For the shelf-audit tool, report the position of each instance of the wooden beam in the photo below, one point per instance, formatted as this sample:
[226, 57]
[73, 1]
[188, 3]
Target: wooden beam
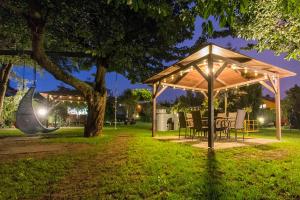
[201, 72]
[228, 60]
[220, 70]
[221, 81]
[204, 94]
[273, 83]
[267, 86]
[252, 81]
[181, 67]
[211, 120]
[216, 93]
[180, 78]
[198, 84]
[278, 109]
[161, 90]
[183, 87]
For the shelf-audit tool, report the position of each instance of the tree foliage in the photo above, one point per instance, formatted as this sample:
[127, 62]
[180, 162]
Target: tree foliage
[10, 107]
[291, 106]
[274, 24]
[247, 97]
[184, 103]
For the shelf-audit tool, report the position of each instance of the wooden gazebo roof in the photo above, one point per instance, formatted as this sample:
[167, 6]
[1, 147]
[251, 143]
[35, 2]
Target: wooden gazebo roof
[235, 69]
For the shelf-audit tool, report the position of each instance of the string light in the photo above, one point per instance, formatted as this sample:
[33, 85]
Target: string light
[265, 75]
[233, 67]
[181, 73]
[255, 73]
[245, 70]
[172, 77]
[165, 80]
[191, 68]
[206, 70]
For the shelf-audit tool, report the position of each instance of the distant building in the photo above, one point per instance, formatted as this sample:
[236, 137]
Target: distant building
[76, 116]
[268, 103]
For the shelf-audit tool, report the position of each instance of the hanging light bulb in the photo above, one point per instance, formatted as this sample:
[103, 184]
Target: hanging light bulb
[255, 73]
[191, 68]
[165, 80]
[181, 73]
[172, 77]
[265, 75]
[245, 70]
[233, 66]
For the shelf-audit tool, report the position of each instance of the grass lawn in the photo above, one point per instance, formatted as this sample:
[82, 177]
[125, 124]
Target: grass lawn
[128, 164]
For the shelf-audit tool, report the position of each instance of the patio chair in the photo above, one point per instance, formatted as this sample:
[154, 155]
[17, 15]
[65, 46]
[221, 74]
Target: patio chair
[222, 125]
[221, 115]
[182, 123]
[239, 123]
[199, 126]
[189, 122]
[232, 118]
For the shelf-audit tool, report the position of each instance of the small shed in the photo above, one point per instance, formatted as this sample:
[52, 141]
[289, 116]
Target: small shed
[213, 69]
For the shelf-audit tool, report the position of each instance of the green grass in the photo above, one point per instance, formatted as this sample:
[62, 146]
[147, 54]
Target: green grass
[147, 168]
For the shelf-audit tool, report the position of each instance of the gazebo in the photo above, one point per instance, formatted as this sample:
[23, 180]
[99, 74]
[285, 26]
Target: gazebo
[213, 69]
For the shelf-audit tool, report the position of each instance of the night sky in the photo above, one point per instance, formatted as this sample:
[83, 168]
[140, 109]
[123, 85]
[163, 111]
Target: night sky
[46, 81]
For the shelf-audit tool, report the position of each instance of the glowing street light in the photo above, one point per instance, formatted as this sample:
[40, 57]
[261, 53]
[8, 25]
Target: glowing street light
[261, 120]
[42, 112]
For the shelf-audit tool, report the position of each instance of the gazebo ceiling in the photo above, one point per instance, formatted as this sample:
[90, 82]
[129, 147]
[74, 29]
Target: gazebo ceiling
[233, 69]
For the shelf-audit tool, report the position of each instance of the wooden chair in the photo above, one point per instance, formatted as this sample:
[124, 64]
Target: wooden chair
[222, 125]
[189, 122]
[232, 118]
[199, 126]
[239, 123]
[182, 123]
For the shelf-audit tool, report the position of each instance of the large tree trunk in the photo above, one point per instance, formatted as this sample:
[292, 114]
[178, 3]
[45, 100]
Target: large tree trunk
[95, 118]
[95, 95]
[4, 77]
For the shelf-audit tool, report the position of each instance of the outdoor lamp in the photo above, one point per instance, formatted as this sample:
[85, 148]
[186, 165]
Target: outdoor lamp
[261, 120]
[42, 112]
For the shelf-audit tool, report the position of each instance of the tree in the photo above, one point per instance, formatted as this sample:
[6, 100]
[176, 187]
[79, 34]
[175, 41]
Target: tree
[7, 73]
[129, 37]
[291, 106]
[130, 99]
[247, 97]
[10, 107]
[274, 24]
[185, 102]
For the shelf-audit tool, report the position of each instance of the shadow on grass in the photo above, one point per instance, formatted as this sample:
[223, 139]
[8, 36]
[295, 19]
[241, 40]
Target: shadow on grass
[265, 147]
[213, 181]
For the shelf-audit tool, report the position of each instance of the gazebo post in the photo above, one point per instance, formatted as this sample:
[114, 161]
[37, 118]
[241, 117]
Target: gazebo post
[225, 103]
[155, 93]
[210, 94]
[278, 108]
[154, 109]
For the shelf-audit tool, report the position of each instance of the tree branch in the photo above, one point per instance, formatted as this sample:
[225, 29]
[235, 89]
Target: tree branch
[48, 53]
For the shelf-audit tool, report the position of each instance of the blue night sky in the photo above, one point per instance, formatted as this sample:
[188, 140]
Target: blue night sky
[46, 81]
